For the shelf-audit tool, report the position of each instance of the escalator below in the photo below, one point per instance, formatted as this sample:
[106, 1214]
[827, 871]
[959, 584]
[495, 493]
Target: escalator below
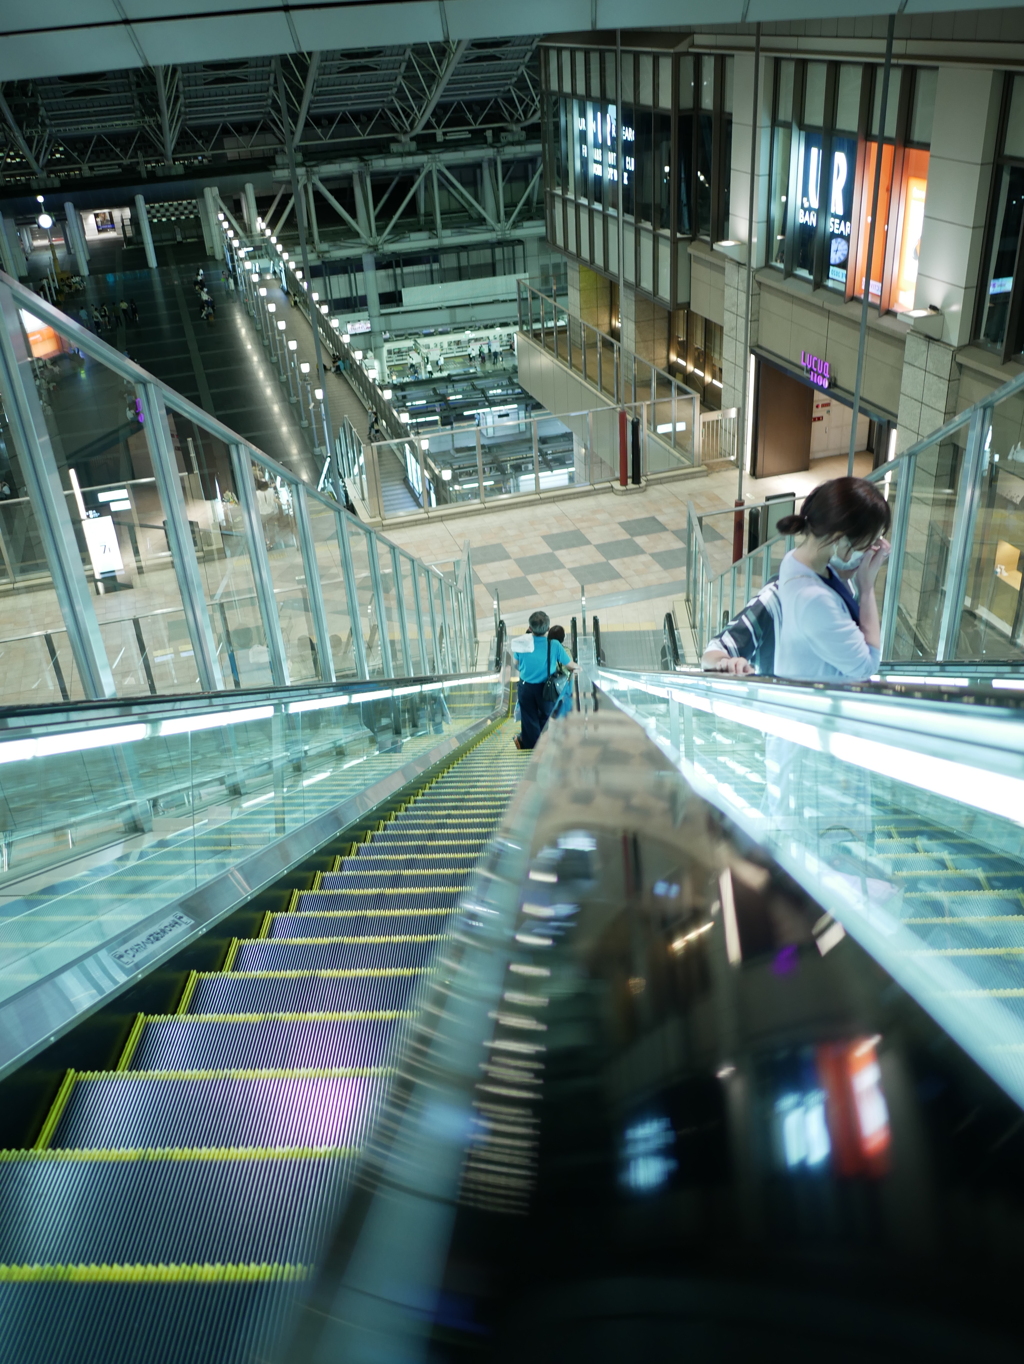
[172, 1206]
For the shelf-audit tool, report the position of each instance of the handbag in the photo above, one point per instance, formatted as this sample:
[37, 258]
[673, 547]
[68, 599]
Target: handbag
[551, 691]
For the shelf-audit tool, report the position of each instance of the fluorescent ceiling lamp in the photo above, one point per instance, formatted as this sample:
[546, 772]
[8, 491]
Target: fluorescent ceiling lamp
[121, 506]
[667, 426]
[919, 681]
[320, 776]
[215, 720]
[1008, 683]
[117, 495]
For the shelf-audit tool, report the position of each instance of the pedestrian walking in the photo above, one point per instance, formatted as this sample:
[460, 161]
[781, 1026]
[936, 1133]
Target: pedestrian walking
[538, 658]
[123, 305]
[133, 309]
[108, 321]
[97, 320]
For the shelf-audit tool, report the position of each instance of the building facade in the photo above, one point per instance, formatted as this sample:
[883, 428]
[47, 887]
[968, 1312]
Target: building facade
[649, 152]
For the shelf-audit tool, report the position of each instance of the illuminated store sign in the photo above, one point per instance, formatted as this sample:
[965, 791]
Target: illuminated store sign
[839, 222]
[598, 142]
[816, 369]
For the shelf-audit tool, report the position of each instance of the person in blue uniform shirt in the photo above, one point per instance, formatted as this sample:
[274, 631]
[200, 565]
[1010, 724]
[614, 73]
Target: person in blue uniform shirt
[537, 658]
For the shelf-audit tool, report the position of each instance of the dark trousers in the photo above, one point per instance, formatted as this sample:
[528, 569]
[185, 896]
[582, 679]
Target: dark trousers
[532, 711]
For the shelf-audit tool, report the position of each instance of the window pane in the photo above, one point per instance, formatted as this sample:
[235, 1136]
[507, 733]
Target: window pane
[628, 158]
[1015, 124]
[924, 106]
[726, 170]
[892, 104]
[1003, 254]
[784, 95]
[809, 195]
[707, 83]
[704, 133]
[727, 91]
[848, 98]
[839, 226]
[864, 227]
[782, 139]
[814, 94]
[663, 168]
[685, 224]
[913, 189]
[686, 83]
[645, 166]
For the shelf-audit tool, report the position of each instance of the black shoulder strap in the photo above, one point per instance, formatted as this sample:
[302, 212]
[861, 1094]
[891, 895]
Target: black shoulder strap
[547, 663]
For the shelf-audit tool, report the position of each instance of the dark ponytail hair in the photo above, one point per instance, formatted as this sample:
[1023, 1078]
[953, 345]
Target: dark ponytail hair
[842, 506]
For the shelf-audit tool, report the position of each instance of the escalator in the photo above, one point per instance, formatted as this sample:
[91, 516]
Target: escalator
[172, 1205]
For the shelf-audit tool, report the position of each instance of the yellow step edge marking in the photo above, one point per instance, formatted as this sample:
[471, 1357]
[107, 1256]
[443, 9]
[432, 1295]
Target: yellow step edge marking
[360, 913]
[386, 890]
[190, 989]
[961, 919]
[232, 953]
[124, 1155]
[293, 899]
[380, 937]
[326, 973]
[252, 1273]
[264, 928]
[125, 1059]
[282, 1016]
[267, 1073]
[952, 951]
[56, 1111]
[316, 881]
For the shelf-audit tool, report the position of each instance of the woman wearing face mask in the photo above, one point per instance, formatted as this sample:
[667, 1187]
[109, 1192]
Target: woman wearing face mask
[827, 634]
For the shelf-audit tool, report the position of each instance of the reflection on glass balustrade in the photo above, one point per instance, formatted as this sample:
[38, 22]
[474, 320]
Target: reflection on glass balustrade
[195, 561]
[103, 824]
[904, 818]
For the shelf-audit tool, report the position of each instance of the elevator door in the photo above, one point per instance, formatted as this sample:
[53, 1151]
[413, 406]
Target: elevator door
[784, 410]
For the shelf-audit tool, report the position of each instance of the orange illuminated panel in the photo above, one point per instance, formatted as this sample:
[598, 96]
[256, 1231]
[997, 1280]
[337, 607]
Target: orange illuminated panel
[864, 226]
[857, 1114]
[43, 341]
[913, 189]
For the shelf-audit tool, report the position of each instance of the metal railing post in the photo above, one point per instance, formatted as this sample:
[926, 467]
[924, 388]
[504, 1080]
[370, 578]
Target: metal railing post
[372, 470]
[242, 467]
[421, 635]
[382, 616]
[314, 591]
[894, 571]
[42, 479]
[479, 466]
[403, 624]
[962, 538]
[179, 538]
[535, 443]
[352, 596]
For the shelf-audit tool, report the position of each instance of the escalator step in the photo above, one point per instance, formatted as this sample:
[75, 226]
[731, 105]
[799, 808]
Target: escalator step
[368, 860]
[395, 898]
[126, 1109]
[270, 955]
[332, 923]
[144, 1207]
[394, 880]
[238, 992]
[199, 1042]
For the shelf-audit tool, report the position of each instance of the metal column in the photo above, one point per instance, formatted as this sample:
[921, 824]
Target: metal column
[39, 467]
[313, 591]
[179, 537]
[147, 235]
[240, 463]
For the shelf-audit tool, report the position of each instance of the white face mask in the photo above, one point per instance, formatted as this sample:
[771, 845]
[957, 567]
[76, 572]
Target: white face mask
[840, 565]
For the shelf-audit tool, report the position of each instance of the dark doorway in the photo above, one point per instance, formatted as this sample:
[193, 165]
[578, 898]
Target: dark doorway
[782, 442]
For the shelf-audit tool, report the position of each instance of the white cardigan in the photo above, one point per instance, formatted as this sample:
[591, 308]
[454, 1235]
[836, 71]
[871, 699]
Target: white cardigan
[819, 640]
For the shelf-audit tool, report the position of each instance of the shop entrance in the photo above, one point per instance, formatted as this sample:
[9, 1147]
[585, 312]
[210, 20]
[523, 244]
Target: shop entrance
[782, 434]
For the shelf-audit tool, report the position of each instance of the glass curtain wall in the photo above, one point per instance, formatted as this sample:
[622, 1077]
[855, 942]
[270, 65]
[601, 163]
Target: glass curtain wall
[1000, 321]
[825, 145]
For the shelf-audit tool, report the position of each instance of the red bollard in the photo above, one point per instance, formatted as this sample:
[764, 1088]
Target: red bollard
[623, 448]
[737, 531]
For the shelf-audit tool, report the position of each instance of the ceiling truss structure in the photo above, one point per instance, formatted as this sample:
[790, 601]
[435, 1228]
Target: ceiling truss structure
[141, 121]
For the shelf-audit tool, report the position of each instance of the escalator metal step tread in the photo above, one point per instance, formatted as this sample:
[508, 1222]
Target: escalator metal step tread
[176, 1322]
[156, 1208]
[285, 992]
[199, 1042]
[270, 955]
[331, 923]
[177, 1203]
[133, 1108]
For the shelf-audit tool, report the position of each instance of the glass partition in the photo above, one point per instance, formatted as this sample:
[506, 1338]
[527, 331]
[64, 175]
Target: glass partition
[135, 564]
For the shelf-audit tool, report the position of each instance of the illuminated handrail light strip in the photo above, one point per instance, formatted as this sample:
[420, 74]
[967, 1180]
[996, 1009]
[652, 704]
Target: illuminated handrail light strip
[995, 792]
[215, 720]
[19, 750]
[1008, 683]
[928, 681]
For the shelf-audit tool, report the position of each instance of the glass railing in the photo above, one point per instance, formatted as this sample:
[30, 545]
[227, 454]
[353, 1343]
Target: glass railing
[131, 826]
[668, 411]
[145, 548]
[952, 587]
[902, 814]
